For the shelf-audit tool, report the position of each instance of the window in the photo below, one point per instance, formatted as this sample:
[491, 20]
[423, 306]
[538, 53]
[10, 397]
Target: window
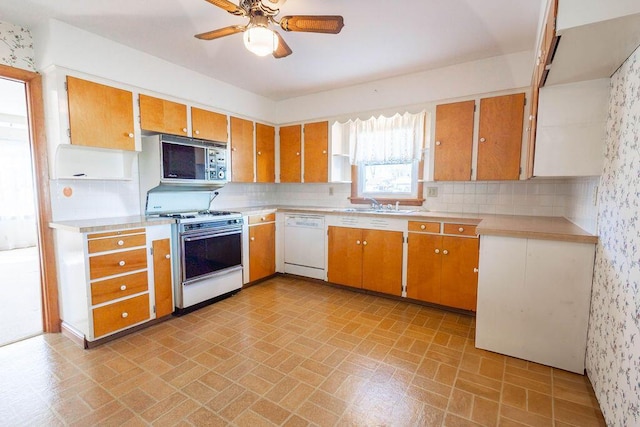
[386, 154]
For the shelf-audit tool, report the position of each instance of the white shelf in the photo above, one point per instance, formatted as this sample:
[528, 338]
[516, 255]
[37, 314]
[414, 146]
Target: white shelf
[90, 163]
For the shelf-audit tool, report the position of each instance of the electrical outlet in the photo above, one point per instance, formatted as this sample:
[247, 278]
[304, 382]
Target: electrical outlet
[595, 196]
[432, 191]
[331, 191]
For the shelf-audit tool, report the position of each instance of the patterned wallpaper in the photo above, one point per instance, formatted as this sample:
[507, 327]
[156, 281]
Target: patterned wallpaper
[16, 47]
[613, 348]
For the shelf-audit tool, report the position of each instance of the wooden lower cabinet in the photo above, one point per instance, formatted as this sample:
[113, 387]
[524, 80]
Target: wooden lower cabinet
[443, 270]
[262, 246]
[162, 283]
[366, 259]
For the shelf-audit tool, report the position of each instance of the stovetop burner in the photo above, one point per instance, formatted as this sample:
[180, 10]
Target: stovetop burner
[179, 216]
[216, 213]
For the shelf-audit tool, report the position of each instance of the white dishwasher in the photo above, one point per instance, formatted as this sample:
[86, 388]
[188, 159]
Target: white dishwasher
[304, 245]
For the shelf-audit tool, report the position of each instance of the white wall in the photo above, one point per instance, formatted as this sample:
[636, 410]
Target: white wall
[495, 74]
[62, 45]
[16, 46]
[573, 13]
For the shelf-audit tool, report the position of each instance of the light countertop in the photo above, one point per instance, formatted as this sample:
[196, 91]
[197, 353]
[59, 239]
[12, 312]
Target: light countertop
[534, 227]
[108, 224]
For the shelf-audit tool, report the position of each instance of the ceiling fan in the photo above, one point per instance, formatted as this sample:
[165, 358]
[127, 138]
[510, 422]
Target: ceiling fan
[258, 37]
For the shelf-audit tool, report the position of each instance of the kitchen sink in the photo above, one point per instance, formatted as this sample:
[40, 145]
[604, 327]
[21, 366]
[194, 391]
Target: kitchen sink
[372, 210]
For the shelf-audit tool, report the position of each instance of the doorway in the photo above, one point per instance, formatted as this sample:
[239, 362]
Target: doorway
[20, 283]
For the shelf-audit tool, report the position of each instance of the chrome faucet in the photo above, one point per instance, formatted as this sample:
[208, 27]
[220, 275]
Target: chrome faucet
[374, 203]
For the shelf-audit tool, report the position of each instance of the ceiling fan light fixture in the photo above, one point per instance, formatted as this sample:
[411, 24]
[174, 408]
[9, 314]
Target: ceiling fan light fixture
[260, 40]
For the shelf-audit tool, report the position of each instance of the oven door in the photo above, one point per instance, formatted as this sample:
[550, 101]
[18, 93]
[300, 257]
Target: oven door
[210, 253]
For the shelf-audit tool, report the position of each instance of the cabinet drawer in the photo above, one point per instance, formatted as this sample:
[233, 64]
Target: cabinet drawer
[425, 227]
[115, 233]
[119, 315]
[117, 263]
[460, 229]
[257, 219]
[110, 289]
[113, 243]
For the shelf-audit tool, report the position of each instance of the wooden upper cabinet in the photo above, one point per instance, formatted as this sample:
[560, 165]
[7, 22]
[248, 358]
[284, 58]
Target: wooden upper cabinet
[500, 137]
[454, 141]
[160, 115]
[316, 147]
[290, 148]
[99, 115]
[241, 150]
[265, 153]
[208, 125]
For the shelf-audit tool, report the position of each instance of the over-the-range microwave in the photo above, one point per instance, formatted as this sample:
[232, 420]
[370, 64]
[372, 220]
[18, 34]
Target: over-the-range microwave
[183, 160]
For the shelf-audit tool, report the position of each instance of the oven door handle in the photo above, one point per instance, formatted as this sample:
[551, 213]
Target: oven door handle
[209, 235]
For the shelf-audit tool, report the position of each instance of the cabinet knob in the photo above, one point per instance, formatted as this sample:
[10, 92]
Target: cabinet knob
[197, 132]
[422, 227]
[125, 315]
[234, 149]
[259, 153]
[482, 140]
[324, 151]
[364, 243]
[168, 256]
[121, 263]
[445, 252]
[437, 251]
[130, 134]
[357, 242]
[438, 142]
[475, 270]
[252, 239]
[262, 218]
[123, 287]
[461, 229]
[120, 242]
[184, 130]
[297, 153]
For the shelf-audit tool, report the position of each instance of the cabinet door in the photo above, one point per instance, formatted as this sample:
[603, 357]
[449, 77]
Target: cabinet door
[162, 277]
[208, 125]
[99, 115]
[454, 141]
[316, 146]
[265, 153]
[500, 137]
[459, 284]
[262, 251]
[382, 261]
[241, 150]
[160, 115]
[290, 163]
[345, 256]
[424, 259]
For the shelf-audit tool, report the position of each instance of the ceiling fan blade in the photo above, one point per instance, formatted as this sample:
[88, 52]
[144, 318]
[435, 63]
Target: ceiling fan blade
[220, 32]
[228, 6]
[329, 24]
[283, 48]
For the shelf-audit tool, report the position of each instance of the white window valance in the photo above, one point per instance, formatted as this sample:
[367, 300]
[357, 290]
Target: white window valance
[384, 140]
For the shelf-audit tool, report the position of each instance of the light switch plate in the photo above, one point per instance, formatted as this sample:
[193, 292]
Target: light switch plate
[432, 191]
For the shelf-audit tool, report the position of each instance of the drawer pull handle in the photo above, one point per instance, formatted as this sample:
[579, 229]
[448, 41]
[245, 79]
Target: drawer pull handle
[475, 270]
[262, 218]
[123, 287]
[120, 242]
[445, 252]
[168, 256]
[422, 227]
[125, 315]
[121, 263]
[461, 229]
[437, 251]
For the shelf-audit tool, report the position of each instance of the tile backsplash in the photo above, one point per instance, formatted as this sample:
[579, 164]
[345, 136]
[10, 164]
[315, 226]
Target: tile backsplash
[572, 198]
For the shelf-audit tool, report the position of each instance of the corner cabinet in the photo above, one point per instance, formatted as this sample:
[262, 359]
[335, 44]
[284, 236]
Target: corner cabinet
[115, 280]
[442, 264]
[100, 116]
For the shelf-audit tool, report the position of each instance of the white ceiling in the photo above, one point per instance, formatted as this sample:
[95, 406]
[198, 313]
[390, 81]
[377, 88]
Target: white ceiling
[380, 39]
